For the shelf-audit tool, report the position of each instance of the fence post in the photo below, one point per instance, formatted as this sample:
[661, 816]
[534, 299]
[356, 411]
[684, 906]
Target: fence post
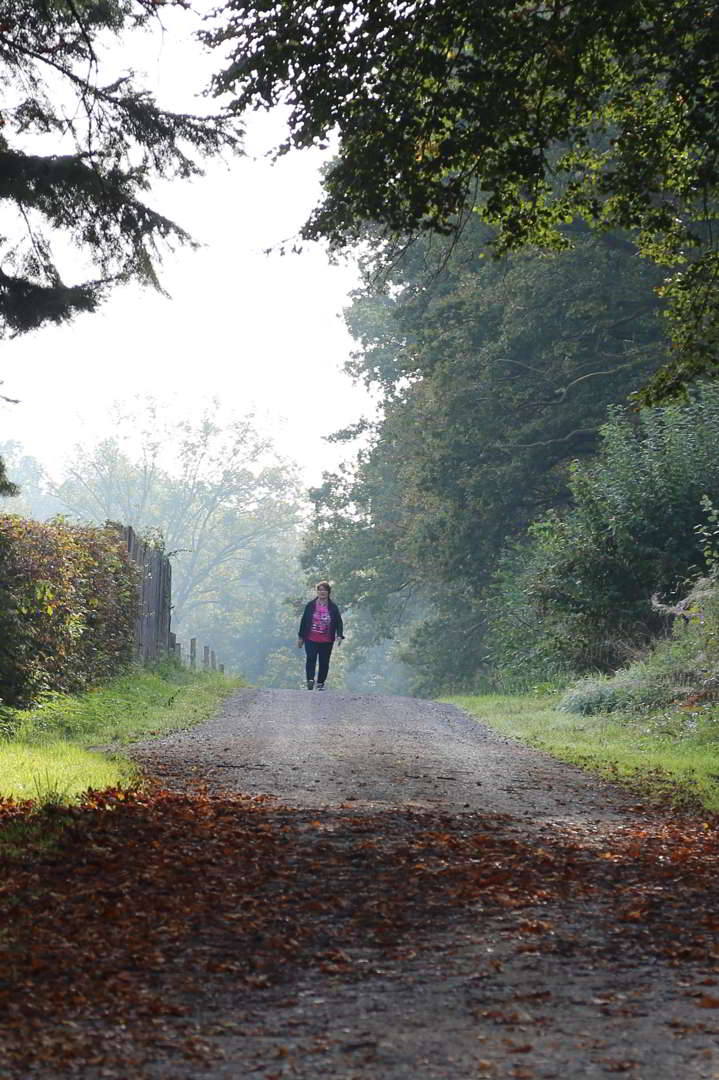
[193, 653]
[206, 657]
[213, 665]
[222, 669]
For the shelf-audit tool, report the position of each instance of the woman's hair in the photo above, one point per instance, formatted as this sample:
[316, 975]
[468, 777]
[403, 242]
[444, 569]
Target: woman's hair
[326, 585]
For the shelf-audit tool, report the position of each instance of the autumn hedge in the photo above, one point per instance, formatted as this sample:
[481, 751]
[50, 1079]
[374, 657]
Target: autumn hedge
[68, 597]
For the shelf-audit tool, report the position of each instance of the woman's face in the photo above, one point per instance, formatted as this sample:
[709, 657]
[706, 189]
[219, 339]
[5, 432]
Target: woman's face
[323, 593]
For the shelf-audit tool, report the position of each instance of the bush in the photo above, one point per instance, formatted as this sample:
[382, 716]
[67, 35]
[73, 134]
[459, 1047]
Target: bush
[68, 600]
[578, 596]
[521, 648]
[681, 669]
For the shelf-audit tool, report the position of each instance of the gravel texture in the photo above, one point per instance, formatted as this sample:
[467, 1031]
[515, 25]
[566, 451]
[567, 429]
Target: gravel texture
[463, 999]
[324, 749]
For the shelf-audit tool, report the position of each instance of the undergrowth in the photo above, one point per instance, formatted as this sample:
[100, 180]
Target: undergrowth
[679, 670]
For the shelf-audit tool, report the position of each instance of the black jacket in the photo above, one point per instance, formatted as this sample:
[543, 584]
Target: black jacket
[336, 629]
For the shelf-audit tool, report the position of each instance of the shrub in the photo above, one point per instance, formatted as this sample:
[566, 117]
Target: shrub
[578, 598]
[68, 599]
[521, 648]
[683, 668]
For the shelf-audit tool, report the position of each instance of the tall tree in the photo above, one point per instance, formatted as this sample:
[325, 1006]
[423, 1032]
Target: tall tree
[538, 114]
[493, 378]
[81, 141]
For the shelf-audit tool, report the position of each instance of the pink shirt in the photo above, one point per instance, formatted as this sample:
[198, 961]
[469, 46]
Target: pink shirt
[320, 627]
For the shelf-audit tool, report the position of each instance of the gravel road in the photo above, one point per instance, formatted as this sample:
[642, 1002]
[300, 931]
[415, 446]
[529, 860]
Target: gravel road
[322, 749]
[466, 1000]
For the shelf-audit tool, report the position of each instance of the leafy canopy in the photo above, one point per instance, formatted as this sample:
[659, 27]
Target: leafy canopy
[493, 376]
[544, 113]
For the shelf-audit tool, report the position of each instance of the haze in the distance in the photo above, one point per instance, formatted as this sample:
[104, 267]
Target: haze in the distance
[261, 332]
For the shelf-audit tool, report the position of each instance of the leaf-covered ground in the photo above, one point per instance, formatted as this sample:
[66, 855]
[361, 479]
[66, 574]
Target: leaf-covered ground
[128, 923]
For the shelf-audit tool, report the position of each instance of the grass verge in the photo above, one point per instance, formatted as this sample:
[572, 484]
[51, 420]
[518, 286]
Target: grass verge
[47, 755]
[669, 754]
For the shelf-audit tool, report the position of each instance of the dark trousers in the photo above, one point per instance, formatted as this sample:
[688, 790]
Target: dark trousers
[315, 650]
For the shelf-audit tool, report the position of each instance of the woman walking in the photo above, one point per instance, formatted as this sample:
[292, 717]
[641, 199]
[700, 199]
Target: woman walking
[320, 626]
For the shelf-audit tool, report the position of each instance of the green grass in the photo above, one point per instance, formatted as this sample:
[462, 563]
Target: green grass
[51, 754]
[673, 752]
[57, 771]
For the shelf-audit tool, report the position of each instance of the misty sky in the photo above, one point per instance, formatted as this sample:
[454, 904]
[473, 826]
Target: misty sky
[262, 332]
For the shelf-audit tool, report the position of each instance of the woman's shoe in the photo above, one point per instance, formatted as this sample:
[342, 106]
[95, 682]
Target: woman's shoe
[320, 686]
[311, 684]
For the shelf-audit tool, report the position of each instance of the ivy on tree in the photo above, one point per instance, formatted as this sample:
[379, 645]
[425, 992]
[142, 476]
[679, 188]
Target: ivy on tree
[543, 113]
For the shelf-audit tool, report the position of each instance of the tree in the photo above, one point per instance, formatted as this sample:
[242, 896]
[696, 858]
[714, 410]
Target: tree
[501, 375]
[7, 487]
[546, 117]
[493, 378]
[225, 508]
[80, 145]
[31, 497]
[79, 148]
[252, 615]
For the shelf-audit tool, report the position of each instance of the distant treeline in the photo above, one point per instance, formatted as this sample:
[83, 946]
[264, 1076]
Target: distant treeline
[225, 509]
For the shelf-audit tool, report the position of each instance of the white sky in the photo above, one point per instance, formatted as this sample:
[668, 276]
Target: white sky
[262, 332]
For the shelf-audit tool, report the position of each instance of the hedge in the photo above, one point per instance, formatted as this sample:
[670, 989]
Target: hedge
[68, 600]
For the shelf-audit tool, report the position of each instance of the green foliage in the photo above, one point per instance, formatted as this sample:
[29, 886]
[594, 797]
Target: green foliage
[606, 694]
[708, 535]
[517, 367]
[547, 116]
[68, 597]
[493, 379]
[519, 648]
[588, 575]
[680, 669]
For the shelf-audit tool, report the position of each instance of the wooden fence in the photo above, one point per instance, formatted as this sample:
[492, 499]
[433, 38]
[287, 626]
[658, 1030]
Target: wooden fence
[153, 637]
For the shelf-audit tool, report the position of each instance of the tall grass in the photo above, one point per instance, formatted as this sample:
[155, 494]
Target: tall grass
[51, 752]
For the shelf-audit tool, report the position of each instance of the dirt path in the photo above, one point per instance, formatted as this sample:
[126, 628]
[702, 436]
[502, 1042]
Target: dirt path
[534, 973]
[326, 749]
